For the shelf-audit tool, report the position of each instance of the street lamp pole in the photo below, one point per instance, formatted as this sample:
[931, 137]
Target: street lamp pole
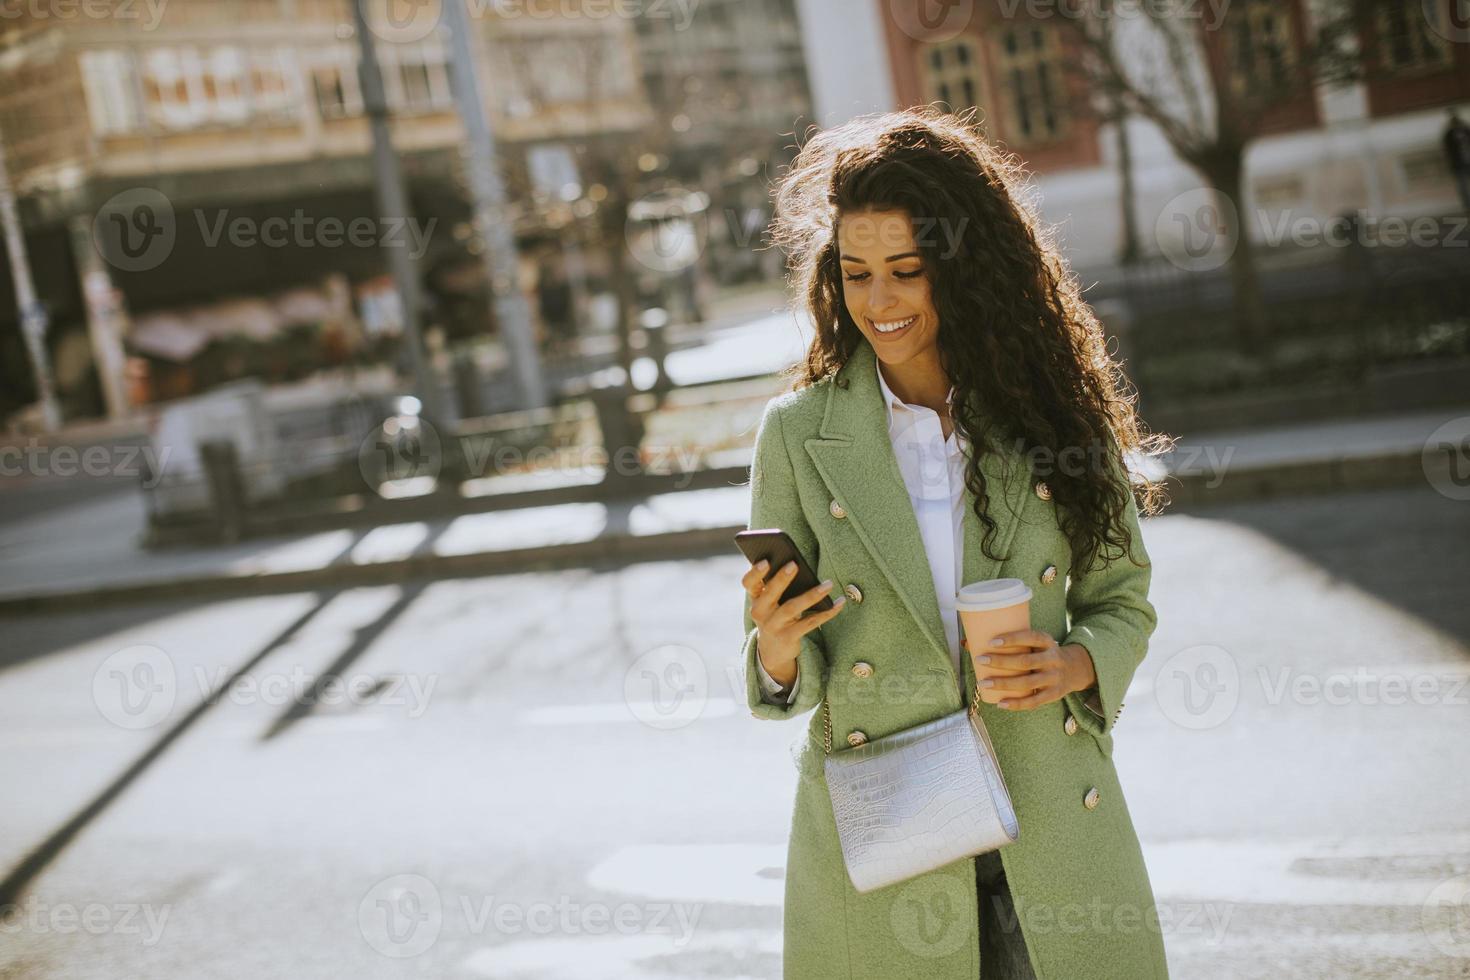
[33, 317]
[393, 206]
[512, 312]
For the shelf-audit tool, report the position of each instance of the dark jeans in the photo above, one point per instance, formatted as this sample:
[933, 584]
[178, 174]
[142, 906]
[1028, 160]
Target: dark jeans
[1002, 947]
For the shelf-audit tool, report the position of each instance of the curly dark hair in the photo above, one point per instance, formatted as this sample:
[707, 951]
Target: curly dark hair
[1027, 357]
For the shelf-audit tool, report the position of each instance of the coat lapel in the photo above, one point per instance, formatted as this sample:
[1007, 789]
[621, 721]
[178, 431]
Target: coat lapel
[856, 460]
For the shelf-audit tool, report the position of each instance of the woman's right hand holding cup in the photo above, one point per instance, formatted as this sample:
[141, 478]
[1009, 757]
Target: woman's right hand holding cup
[781, 625]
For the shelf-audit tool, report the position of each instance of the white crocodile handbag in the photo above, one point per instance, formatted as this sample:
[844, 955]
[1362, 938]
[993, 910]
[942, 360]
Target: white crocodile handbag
[918, 799]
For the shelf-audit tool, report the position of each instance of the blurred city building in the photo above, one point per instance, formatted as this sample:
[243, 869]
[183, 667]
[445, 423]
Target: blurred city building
[729, 87]
[1373, 143]
[240, 123]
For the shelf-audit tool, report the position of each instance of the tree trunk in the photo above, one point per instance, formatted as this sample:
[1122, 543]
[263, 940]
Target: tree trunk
[1130, 252]
[1248, 308]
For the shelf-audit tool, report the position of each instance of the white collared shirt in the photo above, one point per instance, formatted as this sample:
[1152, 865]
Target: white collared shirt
[933, 470]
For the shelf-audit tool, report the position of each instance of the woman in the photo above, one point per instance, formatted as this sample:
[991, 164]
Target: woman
[945, 320]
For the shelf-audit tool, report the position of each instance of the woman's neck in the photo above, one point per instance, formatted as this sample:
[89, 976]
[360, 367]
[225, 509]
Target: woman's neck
[919, 383]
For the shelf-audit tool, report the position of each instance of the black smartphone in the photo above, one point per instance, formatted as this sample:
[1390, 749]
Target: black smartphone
[775, 546]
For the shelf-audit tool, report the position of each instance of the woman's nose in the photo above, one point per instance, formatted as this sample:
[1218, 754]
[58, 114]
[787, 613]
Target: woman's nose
[880, 297]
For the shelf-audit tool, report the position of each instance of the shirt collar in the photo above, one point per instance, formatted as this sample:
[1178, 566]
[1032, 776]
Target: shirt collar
[890, 400]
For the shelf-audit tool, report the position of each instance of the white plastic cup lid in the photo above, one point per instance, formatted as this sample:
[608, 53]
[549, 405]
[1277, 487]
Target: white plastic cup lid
[994, 594]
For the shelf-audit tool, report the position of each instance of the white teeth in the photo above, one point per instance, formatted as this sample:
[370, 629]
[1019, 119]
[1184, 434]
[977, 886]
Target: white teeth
[895, 325]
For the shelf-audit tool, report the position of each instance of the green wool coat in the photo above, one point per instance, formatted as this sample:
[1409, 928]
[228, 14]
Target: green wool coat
[1077, 875]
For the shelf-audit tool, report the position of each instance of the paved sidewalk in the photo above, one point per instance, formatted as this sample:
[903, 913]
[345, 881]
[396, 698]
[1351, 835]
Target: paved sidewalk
[88, 553]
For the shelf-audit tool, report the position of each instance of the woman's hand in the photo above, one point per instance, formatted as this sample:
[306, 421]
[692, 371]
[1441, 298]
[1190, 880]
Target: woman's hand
[781, 626]
[1052, 671]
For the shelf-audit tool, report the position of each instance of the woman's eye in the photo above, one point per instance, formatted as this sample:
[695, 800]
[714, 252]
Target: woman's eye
[857, 278]
[909, 275]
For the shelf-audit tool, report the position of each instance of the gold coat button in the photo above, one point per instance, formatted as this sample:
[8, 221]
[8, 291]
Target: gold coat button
[836, 510]
[1070, 725]
[861, 669]
[1042, 490]
[1049, 574]
[856, 739]
[853, 592]
[1090, 800]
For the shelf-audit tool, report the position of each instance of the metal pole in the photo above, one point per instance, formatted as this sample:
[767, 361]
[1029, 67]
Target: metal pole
[34, 320]
[512, 312]
[393, 206]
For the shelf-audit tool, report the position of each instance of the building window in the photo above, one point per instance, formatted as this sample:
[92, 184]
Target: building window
[1424, 170]
[951, 73]
[1260, 51]
[172, 87]
[1032, 75]
[422, 77]
[1407, 41]
[273, 85]
[223, 82]
[185, 88]
[334, 79]
[111, 91]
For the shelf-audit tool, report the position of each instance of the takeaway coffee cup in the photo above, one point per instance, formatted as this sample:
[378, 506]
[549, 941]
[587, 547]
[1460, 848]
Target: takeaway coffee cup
[988, 609]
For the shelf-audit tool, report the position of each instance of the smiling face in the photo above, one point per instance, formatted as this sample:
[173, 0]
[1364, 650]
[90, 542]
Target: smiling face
[884, 286]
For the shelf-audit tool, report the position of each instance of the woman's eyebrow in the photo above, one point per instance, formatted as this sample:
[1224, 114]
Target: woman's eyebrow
[891, 258]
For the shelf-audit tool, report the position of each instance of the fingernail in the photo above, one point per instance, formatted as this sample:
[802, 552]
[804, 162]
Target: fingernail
[763, 564]
[827, 584]
[997, 642]
[987, 682]
[1002, 704]
[982, 659]
[790, 566]
[840, 600]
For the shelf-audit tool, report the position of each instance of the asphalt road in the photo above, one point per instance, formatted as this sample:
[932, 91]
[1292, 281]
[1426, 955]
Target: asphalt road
[555, 776]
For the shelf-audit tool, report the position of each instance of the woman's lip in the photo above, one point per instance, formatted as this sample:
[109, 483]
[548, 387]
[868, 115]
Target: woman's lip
[895, 333]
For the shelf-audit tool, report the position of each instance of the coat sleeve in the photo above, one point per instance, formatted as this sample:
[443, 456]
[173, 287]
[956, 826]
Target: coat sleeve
[774, 503]
[1111, 617]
